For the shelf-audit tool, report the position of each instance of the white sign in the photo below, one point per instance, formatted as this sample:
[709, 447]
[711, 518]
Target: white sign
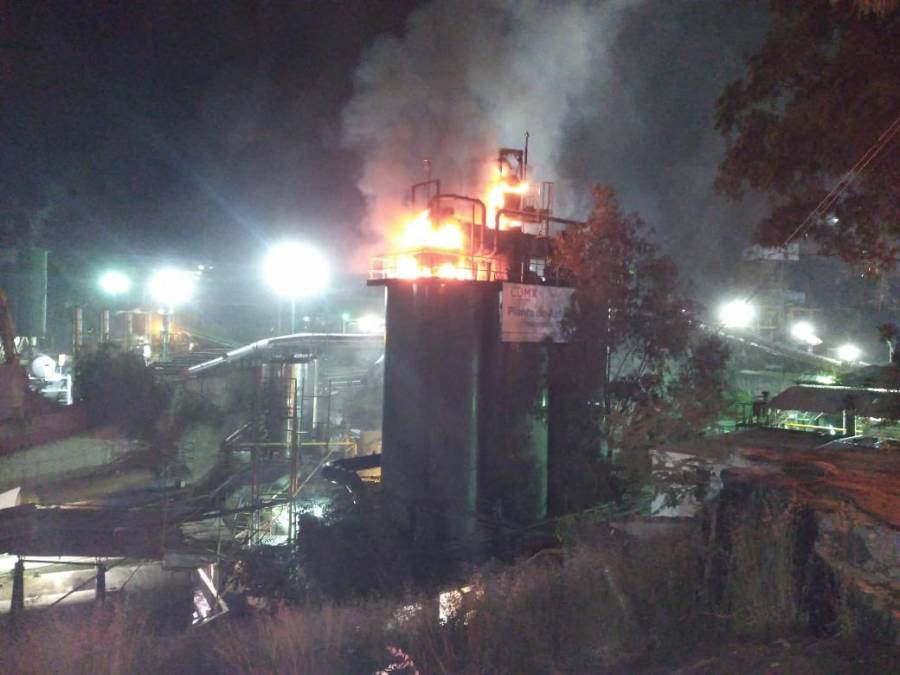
[532, 313]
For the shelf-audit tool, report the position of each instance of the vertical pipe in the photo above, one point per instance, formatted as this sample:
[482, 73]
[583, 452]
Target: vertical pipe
[104, 326]
[849, 423]
[77, 329]
[164, 334]
[17, 603]
[129, 330]
[315, 398]
[100, 592]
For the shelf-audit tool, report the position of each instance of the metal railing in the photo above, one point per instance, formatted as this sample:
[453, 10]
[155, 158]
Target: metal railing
[468, 267]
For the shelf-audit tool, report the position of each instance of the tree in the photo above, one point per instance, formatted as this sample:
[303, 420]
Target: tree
[117, 388]
[819, 94]
[637, 371]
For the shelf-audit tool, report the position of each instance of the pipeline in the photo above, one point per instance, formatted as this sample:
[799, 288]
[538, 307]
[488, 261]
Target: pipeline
[346, 471]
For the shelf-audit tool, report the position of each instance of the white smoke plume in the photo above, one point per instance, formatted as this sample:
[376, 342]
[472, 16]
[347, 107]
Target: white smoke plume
[467, 77]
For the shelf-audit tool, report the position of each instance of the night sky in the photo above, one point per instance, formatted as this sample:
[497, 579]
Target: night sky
[204, 130]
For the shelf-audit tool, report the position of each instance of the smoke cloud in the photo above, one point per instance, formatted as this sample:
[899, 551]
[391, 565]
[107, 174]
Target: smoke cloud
[464, 79]
[613, 92]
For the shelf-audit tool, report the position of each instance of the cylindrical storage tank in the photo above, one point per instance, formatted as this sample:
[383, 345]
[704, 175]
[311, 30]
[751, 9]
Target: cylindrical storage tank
[513, 463]
[33, 293]
[23, 275]
[434, 341]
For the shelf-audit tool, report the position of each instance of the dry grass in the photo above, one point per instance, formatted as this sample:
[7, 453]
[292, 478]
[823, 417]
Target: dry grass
[590, 609]
[100, 641]
[579, 612]
[761, 592]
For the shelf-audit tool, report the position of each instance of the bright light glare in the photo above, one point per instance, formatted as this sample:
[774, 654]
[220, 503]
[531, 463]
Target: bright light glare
[737, 314]
[318, 511]
[114, 283]
[370, 324]
[849, 353]
[803, 331]
[172, 287]
[295, 270]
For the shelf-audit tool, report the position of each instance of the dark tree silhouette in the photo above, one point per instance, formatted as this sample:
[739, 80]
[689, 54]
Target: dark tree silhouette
[638, 369]
[819, 94]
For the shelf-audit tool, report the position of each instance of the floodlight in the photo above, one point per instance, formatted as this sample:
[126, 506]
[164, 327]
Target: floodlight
[296, 270]
[172, 287]
[737, 314]
[803, 331]
[370, 324]
[114, 283]
[849, 353]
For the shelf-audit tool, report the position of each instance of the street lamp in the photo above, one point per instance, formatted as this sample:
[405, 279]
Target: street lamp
[296, 270]
[113, 283]
[370, 324]
[803, 331]
[170, 287]
[737, 314]
[849, 353]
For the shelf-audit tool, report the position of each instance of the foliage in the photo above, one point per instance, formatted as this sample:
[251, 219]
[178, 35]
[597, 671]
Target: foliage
[191, 408]
[818, 95]
[356, 551]
[611, 605]
[637, 371]
[117, 388]
[359, 551]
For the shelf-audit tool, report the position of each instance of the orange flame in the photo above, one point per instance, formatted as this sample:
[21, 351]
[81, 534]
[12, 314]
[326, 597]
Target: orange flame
[427, 251]
[424, 249]
[420, 233]
[496, 198]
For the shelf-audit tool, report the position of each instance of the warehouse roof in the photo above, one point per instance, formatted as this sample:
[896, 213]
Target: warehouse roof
[869, 402]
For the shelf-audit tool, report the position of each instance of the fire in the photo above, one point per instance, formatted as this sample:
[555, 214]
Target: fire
[420, 233]
[496, 199]
[429, 251]
[426, 249]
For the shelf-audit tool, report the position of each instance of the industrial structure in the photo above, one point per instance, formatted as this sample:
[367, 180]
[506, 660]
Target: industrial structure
[470, 305]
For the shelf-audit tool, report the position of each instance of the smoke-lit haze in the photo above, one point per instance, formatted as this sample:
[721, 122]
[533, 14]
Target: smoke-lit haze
[617, 92]
[209, 130]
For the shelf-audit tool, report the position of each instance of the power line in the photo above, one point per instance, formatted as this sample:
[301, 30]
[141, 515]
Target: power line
[831, 198]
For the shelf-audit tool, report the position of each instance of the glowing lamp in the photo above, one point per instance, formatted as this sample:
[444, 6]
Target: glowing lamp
[849, 353]
[171, 287]
[370, 324]
[737, 314]
[295, 270]
[803, 331]
[114, 283]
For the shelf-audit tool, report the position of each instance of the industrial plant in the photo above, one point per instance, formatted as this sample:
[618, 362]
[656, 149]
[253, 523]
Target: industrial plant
[470, 337]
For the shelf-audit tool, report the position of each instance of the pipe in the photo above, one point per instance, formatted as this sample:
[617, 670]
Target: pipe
[300, 339]
[104, 326]
[526, 214]
[415, 187]
[129, 330]
[77, 329]
[346, 471]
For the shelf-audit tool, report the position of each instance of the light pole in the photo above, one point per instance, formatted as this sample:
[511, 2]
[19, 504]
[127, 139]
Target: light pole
[295, 270]
[113, 284]
[170, 287]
